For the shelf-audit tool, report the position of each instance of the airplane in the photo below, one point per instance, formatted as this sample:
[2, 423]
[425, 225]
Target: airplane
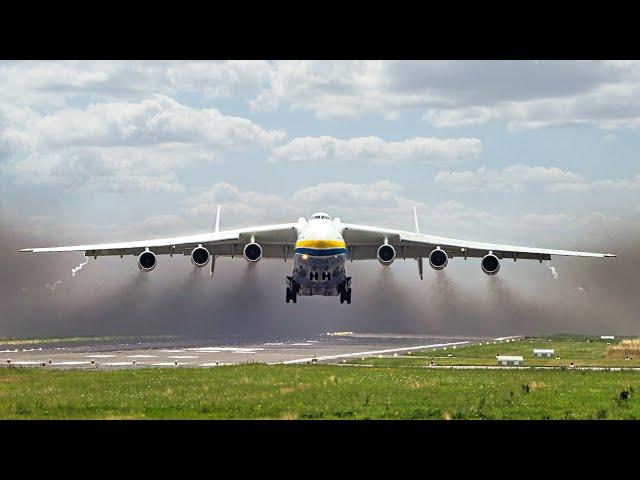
[320, 248]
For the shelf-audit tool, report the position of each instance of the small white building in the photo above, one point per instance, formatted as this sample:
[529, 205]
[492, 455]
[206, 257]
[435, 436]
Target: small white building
[543, 352]
[607, 337]
[510, 360]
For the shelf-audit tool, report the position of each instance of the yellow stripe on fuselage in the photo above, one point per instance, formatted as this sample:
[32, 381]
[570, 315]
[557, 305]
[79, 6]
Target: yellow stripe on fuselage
[320, 244]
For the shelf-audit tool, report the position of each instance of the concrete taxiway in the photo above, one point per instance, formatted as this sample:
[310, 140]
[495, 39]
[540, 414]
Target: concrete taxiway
[332, 348]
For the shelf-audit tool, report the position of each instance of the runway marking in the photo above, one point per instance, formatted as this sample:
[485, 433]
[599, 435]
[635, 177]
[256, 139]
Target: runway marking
[372, 352]
[219, 364]
[71, 363]
[142, 356]
[223, 349]
[31, 349]
[99, 355]
[8, 351]
[269, 343]
[166, 364]
[171, 351]
[183, 356]
[300, 344]
[116, 364]
[499, 339]
[26, 362]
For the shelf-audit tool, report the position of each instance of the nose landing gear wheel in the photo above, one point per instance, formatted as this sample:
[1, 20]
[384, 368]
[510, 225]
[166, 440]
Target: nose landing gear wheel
[345, 296]
[292, 295]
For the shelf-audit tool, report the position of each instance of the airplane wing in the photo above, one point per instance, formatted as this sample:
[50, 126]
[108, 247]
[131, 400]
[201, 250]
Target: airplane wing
[363, 243]
[277, 241]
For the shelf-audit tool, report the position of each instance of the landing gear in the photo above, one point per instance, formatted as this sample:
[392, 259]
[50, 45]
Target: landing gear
[345, 291]
[292, 290]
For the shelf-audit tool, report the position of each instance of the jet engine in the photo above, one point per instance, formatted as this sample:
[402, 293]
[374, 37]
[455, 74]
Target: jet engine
[147, 261]
[438, 259]
[386, 254]
[200, 256]
[252, 252]
[490, 264]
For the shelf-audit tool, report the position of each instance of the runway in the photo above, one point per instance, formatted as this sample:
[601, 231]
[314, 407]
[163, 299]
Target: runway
[328, 348]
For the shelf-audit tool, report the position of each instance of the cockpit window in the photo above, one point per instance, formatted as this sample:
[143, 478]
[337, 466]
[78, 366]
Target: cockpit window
[321, 216]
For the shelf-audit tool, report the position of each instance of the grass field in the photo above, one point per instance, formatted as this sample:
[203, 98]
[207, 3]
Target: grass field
[317, 392]
[579, 350]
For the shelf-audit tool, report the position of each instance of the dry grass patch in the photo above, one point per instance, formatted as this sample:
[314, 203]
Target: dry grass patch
[624, 349]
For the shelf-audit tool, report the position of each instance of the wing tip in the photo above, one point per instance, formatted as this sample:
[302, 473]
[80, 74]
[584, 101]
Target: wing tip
[26, 250]
[610, 255]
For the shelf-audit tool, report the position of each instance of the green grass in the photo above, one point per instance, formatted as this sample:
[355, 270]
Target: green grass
[316, 392]
[570, 349]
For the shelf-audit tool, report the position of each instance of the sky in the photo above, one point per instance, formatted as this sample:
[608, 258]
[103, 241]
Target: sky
[538, 153]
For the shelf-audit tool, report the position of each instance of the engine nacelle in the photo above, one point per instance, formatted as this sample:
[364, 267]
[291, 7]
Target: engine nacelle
[490, 264]
[438, 259]
[200, 256]
[386, 254]
[252, 252]
[147, 261]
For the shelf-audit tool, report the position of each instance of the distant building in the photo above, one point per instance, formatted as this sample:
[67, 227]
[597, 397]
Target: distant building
[510, 360]
[543, 352]
[607, 337]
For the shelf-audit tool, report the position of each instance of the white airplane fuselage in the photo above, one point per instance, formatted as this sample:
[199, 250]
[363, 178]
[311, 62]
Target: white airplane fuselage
[319, 263]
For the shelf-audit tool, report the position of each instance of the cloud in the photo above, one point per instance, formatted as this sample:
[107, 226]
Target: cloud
[376, 150]
[524, 94]
[606, 106]
[508, 179]
[123, 146]
[55, 84]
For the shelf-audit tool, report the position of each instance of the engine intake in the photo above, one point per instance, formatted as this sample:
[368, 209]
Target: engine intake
[252, 252]
[490, 264]
[438, 259]
[147, 261]
[386, 254]
[200, 256]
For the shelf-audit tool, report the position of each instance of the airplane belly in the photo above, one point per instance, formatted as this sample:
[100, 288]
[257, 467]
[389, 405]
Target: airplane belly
[319, 275]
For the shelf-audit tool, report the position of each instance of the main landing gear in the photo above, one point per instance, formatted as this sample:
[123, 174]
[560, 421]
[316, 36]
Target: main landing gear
[345, 291]
[292, 290]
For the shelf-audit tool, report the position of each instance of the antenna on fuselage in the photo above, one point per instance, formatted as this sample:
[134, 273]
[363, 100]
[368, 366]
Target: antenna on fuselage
[218, 220]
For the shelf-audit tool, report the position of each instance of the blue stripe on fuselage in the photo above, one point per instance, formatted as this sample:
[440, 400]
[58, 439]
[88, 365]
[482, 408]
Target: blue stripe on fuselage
[321, 252]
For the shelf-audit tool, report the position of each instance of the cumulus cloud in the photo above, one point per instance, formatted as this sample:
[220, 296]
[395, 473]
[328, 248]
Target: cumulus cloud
[47, 84]
[525, 94]
[508, 179]
[377, 150]
[606, 106]
[122, 145]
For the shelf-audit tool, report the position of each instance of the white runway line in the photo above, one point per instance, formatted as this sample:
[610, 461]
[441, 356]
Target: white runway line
[99, 355]
[31, 349]
[499, 339]
[9, 351]
[142, 356]
[219, 364]
[167, 364]
[223, 349]
[183, 356]
[116, 364]
[372, 352]
[268, 343]
[171, 351]
[300, 344]
[71, 363]
[26, 362]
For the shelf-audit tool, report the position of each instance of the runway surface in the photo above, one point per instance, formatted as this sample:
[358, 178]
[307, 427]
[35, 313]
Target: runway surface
[330, 347]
